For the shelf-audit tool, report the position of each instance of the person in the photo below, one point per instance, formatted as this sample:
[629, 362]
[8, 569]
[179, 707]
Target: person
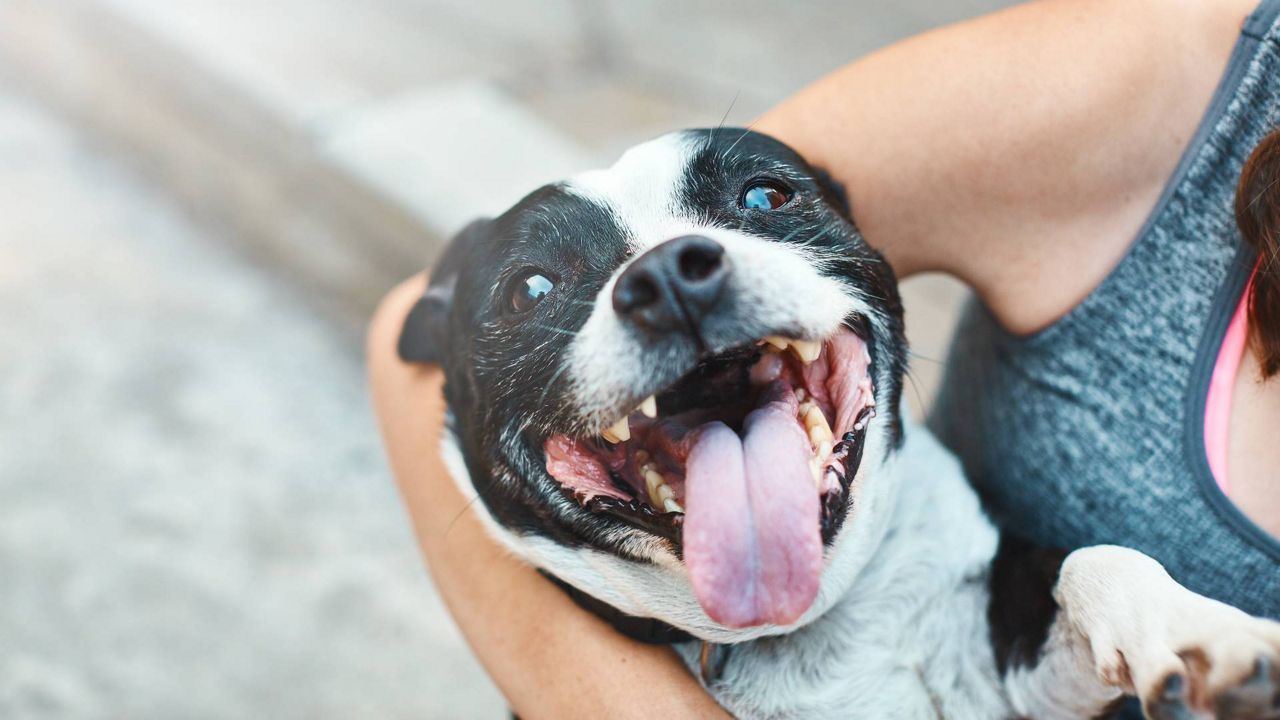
[1074, 162]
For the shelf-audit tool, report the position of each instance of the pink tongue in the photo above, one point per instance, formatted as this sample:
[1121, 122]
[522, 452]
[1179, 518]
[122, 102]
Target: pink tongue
[751, 537]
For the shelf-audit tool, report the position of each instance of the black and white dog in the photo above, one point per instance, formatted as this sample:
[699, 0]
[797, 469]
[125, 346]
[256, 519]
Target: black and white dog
[675, 386]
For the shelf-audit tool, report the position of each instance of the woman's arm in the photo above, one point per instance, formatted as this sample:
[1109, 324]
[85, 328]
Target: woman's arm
[550, 658]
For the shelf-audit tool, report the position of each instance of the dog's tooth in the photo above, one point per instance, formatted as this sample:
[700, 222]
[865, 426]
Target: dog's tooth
[816, 423]
[670, 505]
[819, 434]
[806, 350]
[666, 493]
[654, 482]
[649, 408]
[778, 342]
[618, 432]
[655, 494]
[800, 395]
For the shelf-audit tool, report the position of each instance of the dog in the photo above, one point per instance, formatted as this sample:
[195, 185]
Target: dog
[675, 386]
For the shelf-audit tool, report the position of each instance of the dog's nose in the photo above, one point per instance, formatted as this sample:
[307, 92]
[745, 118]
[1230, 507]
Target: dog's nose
[672, 286]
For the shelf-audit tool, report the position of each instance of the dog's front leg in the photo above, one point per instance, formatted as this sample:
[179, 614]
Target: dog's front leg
[1124, 626]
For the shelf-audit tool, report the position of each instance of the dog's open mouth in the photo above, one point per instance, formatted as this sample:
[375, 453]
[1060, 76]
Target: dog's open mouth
[746, 461]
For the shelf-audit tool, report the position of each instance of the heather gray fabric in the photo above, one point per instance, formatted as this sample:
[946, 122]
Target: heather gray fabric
[1091, 431]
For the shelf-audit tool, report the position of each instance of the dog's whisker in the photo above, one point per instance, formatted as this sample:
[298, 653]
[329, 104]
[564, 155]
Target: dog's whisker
[554, 329]
[927, 358]
[814, 239]
[711, 137]
[461, 512]
[552, 382]
[793, 233]
[741, 137]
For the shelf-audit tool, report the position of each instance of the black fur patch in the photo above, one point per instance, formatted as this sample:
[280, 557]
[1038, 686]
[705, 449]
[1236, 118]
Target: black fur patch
[1022, 607]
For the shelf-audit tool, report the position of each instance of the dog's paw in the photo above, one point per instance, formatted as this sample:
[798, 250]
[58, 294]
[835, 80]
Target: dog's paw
[1254, 697]
[1210, 661]
[1185, 655]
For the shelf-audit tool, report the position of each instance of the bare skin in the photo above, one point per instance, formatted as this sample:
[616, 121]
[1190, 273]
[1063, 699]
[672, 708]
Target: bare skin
[1251, 446]
[1019, 152]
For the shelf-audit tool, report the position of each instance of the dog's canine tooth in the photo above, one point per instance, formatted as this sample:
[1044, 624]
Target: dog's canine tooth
[778, 342]
[649, 408]
[670, 505]
[806, 350]
[618, 432]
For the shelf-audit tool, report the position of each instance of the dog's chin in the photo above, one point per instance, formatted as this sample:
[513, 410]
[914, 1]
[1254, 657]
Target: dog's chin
[744, 466]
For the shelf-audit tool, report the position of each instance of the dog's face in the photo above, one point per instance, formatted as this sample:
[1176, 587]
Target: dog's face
[662, 380]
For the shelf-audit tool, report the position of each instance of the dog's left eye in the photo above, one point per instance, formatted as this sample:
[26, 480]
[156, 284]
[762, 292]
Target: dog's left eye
[765, 195]
[527, 290]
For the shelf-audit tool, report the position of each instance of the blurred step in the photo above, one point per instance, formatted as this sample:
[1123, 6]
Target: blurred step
[322, 154]
[197, 520]
[451, 154]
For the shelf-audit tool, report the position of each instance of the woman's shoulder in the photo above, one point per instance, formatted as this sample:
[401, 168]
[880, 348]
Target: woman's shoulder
[1105, 101]
[1022, 150]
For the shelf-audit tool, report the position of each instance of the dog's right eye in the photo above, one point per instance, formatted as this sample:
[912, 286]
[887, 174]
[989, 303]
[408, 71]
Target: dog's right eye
[527, 290]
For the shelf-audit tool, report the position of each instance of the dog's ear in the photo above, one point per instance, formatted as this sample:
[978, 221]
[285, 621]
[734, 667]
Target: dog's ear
[425, 334]
[833, 192]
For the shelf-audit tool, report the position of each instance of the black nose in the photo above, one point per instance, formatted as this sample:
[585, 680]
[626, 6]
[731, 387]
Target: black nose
[672, 286]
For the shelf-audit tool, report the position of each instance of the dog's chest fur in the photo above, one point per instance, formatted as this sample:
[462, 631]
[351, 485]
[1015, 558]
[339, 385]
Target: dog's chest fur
[911, 639]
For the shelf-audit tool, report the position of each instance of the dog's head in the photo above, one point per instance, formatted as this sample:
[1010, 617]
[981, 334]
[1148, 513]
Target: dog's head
[662, 380]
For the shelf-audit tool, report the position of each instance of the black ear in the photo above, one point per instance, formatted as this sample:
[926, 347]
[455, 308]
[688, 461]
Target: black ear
[425, 335]
[421, 338]
[833, 192]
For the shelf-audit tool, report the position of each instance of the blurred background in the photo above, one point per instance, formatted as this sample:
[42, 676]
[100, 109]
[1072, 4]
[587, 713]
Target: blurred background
[200, 202]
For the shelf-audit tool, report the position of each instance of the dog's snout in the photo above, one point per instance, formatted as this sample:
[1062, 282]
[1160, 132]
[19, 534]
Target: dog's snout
[672, 286]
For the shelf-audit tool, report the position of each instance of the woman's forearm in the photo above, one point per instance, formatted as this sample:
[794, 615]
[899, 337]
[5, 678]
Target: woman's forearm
[549, 657]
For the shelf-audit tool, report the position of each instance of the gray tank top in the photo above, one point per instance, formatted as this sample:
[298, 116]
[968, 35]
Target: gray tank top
[1091, 431]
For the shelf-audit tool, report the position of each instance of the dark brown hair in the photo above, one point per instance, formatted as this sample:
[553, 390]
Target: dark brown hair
[1258, 214]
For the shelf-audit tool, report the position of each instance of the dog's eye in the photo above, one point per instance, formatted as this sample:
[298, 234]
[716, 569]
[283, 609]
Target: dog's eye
[527, 290]
[765, 195]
